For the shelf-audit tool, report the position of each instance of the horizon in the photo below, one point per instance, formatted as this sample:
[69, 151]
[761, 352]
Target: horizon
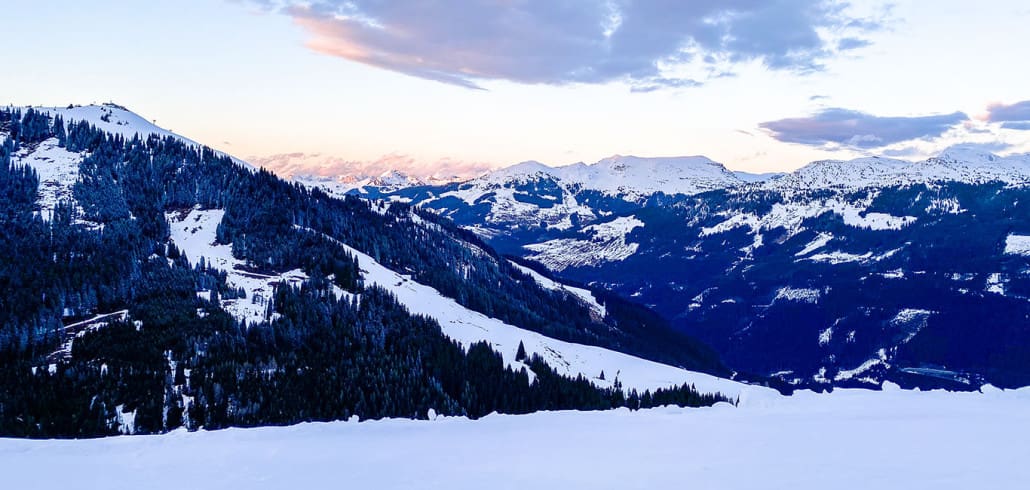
[333, 88]
[288, 171]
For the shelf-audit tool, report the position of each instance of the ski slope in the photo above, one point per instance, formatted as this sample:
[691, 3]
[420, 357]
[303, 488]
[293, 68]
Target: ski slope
[848, 439]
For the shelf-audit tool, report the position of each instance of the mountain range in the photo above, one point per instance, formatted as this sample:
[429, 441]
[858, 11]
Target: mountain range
[150, 283]
[841, 273]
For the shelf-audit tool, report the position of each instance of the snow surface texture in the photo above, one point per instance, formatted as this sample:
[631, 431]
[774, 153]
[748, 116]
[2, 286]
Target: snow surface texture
[467, 327]
[798, 295]
[848, 439]
[607, 244]
[1017, 245]
[58, 171]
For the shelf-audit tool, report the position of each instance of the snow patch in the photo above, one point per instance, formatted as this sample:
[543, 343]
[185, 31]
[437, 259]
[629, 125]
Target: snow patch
[1017, 245]
[193, 231]
[819, 242]
[799, 295]
[607, 244]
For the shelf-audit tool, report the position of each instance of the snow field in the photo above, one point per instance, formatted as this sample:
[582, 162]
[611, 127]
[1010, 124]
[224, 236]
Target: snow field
[848, 439]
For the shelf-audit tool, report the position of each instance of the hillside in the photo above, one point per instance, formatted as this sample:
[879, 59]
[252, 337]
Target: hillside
[152, 283]
[842, 273]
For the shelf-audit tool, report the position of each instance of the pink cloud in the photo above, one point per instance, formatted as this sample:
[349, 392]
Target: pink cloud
[291, 164]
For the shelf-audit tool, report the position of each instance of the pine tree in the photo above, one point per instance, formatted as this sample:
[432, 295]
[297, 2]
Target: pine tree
[520, 354]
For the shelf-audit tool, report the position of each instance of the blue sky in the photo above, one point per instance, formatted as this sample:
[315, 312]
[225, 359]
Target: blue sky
[451, 87]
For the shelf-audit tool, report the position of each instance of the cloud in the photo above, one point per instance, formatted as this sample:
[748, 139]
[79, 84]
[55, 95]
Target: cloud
[1018, 112]
[928, 150]
[290, 164]
[842, 127]
[850, 43]
[569, 41]
[1016, 125]
[986, 147]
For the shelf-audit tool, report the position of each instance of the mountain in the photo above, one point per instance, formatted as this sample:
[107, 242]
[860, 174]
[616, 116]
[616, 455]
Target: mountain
[150, 283]
[388, 181]
[842, 273]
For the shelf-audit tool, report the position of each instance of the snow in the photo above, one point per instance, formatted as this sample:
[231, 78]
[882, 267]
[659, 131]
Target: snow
[76, 330]
[467, 327]
[948, 205]
[118, 120]
[819, 242]
[1017, 245]
[193, 231]
[756, 177]
[826, 336]
[912, 320]
[58, 171]
[126, 420]
[848, 439]
[995, 283]
[845, 374]
[880, 359]
[607, 244]
[626, 177]
[800, 295]
[632, 178]
[893, 274]
[501, 187]
[582, 294]
[838, 257]
[790, 215]
[956, 164]
[342, 185]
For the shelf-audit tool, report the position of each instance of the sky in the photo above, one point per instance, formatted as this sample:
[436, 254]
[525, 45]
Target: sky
[454, 88]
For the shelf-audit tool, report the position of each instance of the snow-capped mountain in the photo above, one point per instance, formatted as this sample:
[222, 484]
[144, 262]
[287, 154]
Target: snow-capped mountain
[534, 197]
[389, 181]
[958, 164]
[841, 272]
[151, 283]
[115, 119]
[625, 177]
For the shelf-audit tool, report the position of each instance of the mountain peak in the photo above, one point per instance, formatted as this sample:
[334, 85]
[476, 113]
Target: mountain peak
[967, 154]
[117, 119]
[693, 160]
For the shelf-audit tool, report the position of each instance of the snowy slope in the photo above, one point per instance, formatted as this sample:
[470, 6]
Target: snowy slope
[607, 242]
[193, 232]
[626, 177]
[1017, 245]
[631, 177]
[118, 120]
[848, 439]
[467, 327]
[58, 171]
[582, 294]
[955, 164]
